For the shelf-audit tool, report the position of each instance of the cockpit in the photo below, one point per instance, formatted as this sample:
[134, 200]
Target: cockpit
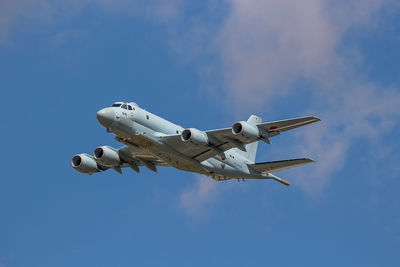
[127, 106]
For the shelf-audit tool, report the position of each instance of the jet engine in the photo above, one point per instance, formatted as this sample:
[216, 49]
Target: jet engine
[107, 156]
[195, 136]
[84, 163]
[245, 129]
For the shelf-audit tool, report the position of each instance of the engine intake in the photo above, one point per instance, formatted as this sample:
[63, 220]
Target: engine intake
[84, 163]
[107, 156]
[245, 129]
[195, 136]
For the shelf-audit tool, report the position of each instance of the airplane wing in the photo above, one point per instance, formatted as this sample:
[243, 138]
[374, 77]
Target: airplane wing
[273, 166]
[222, 140]
[276, 127]
[106, 157]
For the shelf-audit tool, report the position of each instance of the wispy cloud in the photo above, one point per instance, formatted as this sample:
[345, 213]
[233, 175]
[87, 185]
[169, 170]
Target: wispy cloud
[365, 110]
[196, 199]
[27, 14]
[265, 47]
[262, 48]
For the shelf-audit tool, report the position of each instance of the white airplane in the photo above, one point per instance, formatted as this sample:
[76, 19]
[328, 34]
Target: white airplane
[151, 141]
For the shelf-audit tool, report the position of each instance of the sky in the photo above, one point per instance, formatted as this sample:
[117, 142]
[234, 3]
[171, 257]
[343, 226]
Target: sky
[203, 64]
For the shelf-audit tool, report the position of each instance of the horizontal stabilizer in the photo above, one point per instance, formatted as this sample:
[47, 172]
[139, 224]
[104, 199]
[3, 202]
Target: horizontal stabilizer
[273, 166]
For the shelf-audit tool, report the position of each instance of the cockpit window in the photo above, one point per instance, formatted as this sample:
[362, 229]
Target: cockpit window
[129, 107]
[124, 106]
[116, 105]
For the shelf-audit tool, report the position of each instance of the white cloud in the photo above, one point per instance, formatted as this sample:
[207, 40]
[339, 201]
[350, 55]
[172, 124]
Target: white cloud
[164, 10]
[265, 47]
[24, 14]
[262, 48]
[197, 198]
[365, 110]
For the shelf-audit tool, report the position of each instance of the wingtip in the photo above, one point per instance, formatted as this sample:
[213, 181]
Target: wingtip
[308, 160]
[316, 118]
[284, 182]
[280, 180]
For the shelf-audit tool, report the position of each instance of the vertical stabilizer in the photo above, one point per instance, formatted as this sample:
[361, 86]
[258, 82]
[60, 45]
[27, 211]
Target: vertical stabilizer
[251, 149]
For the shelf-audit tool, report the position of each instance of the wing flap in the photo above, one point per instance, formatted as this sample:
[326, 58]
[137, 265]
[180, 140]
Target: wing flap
[273, 166]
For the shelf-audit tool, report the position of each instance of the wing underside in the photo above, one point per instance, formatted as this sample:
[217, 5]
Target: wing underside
[273, 166]
[222, 140]
[134, 158]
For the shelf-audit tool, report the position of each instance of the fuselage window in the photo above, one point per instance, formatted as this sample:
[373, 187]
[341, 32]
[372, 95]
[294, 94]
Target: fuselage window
[147, 116]
[129, 107]
[116, 105]
[124, 106]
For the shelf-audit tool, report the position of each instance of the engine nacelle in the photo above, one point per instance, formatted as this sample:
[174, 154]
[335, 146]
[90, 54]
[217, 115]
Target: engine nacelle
[195, 136]
[107, 156]
[246, 130]
[84, 163]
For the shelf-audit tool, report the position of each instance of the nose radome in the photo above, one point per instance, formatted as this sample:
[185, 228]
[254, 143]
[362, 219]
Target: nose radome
[106, 116]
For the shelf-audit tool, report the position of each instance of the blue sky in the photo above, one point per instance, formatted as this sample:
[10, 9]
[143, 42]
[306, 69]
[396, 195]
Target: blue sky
[203, 65]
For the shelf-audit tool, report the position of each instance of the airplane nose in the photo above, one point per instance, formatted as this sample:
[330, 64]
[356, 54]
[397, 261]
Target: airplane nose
[106, 116]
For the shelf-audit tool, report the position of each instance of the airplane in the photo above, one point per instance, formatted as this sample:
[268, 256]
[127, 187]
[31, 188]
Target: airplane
[151, 141]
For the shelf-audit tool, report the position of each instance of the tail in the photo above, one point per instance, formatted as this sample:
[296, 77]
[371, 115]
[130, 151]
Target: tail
[251, 149]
